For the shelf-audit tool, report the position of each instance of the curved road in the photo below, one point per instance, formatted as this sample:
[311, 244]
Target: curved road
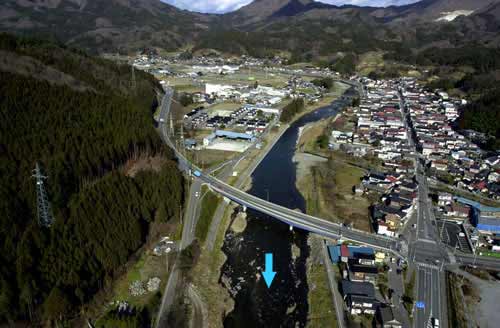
[291, 217]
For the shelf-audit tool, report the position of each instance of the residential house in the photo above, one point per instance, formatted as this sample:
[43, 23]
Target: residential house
[359, 297]
[358, 272]
[386, 319]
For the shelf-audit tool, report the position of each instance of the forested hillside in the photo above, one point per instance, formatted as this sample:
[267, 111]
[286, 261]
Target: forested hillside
[103, 26]
[483, 115]
[81, 118]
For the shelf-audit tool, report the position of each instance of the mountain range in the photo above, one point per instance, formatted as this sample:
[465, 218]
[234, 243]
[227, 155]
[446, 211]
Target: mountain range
[103, 25]
[259, 28]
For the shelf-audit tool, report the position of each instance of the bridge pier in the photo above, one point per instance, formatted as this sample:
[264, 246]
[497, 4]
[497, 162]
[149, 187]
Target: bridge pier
[244, 208]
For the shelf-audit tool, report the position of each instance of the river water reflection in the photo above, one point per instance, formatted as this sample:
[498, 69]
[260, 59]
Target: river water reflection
[285, 303]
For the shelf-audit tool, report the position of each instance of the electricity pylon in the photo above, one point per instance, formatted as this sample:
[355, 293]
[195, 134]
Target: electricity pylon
[44, 212]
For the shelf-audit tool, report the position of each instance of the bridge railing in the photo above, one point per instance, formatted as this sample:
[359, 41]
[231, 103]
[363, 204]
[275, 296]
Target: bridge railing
[165, 109]
[298, 214]
[338, 232]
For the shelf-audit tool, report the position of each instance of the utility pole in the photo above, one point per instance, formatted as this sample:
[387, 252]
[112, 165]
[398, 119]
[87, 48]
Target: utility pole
[180, 214]
[44, 212]
[133, 82]
[181, 138]
[172, 132]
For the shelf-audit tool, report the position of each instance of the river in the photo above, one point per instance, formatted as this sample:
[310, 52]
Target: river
[285, 303]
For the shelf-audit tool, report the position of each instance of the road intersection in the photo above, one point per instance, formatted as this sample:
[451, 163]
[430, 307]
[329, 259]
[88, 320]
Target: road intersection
[427, 256]
[424, 251]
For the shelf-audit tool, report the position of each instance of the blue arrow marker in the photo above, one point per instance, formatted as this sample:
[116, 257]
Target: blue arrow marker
[269, 273]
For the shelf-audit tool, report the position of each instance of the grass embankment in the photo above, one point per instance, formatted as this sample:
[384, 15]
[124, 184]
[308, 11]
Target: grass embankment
[208, 206]
[489, 253]
[206, 274]
[310, 140]
[321, 308]
[249, 76]
[209, 158]
[456, 304]
[327, 189]
[223, 106]
[327, 186]
[409, 293]
[366, 162]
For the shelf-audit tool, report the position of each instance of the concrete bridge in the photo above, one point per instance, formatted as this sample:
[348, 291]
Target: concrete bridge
[291, 217]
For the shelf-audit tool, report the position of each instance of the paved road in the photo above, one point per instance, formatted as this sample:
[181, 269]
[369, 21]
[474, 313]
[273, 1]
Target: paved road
[188, 229]
[428, 295]
[301, 220]
[189, 225]
[480, 261]
[396, 283]
[428, 259]
[426, 254]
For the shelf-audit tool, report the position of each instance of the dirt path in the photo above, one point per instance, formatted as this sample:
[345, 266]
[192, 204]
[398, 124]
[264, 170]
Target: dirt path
[200, 314]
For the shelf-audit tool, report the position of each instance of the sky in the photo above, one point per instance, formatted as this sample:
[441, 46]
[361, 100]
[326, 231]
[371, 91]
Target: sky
[223, 6]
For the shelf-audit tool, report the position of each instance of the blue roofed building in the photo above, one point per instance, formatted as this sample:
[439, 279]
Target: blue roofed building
[228, 135]
[334, 252]
[485, 218]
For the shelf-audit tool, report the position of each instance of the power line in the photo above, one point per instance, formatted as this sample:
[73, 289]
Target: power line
[44, 213]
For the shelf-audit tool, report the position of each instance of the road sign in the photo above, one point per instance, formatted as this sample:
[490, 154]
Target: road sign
[420, 305]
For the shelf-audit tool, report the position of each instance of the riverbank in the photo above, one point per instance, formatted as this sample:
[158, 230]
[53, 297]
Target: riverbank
[206, 277]
[321, 308]
[286, 302]
[326, 180]
[207, 272]
[326, 184]
[216, 289]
